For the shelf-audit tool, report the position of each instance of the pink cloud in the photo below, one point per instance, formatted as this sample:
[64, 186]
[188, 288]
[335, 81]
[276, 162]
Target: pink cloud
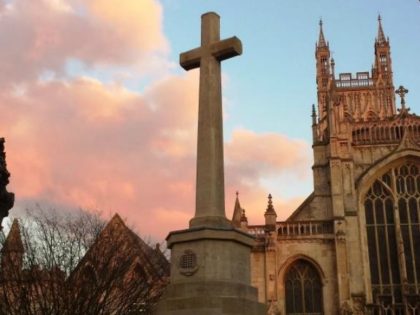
[78, 142]
[274, 152]
[252, 157]
[84, 143]
[87, 144]
[40, 35]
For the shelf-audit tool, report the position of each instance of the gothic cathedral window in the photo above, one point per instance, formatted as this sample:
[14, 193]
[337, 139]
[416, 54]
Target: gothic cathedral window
[303, 289]
[392, 210]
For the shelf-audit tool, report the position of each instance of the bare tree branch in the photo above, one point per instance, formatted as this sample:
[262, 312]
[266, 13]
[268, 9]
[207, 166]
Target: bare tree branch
[74, 264]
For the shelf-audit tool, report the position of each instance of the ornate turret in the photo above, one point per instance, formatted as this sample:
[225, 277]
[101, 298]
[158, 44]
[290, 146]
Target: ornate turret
[323, 70]
[349, 98]
[383, 64]
[6, 198]
[270, 215]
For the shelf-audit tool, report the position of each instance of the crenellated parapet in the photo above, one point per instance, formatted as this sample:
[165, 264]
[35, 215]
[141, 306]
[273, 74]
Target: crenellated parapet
[6, 198]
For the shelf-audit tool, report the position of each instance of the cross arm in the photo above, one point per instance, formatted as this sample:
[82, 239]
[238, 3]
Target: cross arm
[227, 48]
[190, 59]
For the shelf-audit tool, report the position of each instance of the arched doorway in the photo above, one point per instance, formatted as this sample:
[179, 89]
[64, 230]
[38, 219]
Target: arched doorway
[392, 213]
[303, 289]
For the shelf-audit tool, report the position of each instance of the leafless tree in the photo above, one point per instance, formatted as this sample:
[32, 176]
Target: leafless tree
[75, 264]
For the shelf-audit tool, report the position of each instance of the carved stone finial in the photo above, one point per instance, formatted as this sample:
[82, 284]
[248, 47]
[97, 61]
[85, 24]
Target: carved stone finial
[402, 91]
[321, 39]
[270, 208]
[381, 35]
[243, 216]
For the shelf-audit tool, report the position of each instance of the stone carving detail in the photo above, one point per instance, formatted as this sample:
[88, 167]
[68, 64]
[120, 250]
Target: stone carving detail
[340, 234]
[353, 306]
[188, 263]
[6, 198]
[408, 140]
[273, 308]
[359, 305]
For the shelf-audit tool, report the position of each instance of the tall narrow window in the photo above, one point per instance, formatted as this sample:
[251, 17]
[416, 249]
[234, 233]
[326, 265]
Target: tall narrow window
[324, 65]
[303, 289]
[383, 59]
[392, 224]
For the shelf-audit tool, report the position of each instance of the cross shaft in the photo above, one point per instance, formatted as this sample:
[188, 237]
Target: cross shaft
[210, 199]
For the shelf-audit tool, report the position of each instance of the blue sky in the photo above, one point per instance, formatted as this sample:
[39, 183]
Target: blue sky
[97, 113]
[272, 86]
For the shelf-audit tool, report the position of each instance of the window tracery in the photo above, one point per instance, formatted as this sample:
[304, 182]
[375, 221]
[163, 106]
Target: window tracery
[303, 289]
[392, 212]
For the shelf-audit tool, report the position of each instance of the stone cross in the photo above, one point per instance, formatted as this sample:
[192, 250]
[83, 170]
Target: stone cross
[401, 92]
[210, 199]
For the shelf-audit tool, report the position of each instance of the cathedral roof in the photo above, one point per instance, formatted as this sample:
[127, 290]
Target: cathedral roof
[295, 214]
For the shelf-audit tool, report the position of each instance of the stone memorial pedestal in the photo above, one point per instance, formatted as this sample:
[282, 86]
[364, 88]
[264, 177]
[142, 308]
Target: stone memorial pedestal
[210, 274]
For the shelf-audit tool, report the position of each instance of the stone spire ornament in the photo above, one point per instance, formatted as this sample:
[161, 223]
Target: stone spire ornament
[402, 91]
[237, 212]
[381, 35]
[270, 215]
[321, 40]
[7, 199]
[210, 261]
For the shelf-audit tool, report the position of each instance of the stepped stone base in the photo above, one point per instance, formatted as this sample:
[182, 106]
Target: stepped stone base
[212, 298]
[210, 274]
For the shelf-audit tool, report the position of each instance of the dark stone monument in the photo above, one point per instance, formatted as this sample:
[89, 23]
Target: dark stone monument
[7, 199]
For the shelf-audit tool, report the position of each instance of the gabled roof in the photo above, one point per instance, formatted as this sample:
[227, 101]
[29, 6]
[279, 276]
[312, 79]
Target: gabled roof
[116, 238]
[13, 242]
[301, 207]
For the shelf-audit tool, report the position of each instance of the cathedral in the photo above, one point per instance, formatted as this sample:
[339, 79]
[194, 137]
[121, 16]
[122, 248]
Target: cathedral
[353, 246]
